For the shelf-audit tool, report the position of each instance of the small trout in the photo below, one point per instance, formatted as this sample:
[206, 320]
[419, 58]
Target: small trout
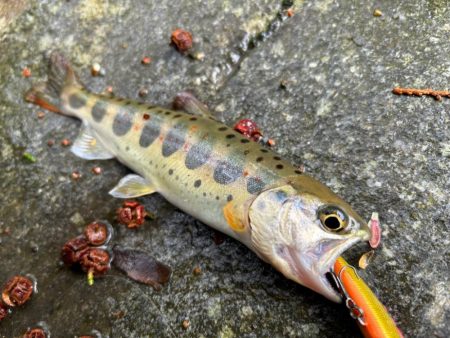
[210, 171]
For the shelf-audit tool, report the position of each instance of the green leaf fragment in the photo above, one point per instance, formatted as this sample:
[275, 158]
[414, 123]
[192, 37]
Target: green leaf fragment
[29, 157]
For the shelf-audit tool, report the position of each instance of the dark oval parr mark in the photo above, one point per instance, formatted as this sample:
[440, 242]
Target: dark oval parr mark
[149, 134]
[174, 140]
[77, 100]
[255, 185]
[122, 123]
[198, 154]
[226, 172]
[98, 111]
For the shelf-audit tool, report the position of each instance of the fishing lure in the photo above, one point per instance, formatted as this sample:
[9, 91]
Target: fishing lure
[373, 318]
[212, 172]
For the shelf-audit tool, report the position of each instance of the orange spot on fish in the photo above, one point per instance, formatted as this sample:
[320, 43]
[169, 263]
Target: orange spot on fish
[235, 223]
[193, 129]
[246, 173]
[136, 127]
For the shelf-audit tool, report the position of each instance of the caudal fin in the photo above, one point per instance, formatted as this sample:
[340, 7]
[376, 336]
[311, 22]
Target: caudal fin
[60, 75]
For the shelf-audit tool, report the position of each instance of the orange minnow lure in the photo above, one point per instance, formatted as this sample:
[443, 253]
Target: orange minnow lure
[373, 318]
[213, 173]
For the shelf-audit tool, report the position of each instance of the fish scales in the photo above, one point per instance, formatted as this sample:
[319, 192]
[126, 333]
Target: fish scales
[197, 163]
[212, 172]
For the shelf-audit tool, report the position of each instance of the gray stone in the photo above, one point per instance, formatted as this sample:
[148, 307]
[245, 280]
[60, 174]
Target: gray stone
[334, 113]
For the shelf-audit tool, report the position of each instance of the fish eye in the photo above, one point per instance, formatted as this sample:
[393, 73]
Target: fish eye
[332, 218]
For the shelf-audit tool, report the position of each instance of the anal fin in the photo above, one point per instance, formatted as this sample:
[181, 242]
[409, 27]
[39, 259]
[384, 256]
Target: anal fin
[87, 147]
[132, 186]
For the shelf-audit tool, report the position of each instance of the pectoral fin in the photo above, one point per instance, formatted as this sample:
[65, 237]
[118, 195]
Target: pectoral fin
[87, 147]
[132, 186]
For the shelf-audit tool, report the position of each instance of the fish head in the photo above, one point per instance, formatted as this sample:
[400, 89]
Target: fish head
[301, 228]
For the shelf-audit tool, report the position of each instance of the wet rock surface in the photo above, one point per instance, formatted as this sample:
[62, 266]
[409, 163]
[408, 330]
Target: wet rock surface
[334, 114]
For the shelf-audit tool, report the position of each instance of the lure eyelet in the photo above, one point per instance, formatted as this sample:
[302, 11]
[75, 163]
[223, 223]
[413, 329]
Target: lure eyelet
[332, 218]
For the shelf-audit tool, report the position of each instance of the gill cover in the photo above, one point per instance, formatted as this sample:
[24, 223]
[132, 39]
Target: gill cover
[287, 232]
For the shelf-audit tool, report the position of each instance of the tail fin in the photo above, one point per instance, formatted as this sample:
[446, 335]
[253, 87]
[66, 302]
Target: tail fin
[60, 75]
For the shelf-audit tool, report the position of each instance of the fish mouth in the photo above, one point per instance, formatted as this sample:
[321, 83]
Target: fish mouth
[312, 267]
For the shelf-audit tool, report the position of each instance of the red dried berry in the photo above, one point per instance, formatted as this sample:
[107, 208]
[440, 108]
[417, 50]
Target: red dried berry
[132, 214]
[124, 215]
[3, 311]
[26, 72]
[96, 260]
[140, 214]
[182, 40]
[74, 249]
[146, 60]
[249, 129]
[66, 142]
[17, 291]
[96, 233]
[35, 333]
[130, 204]
[96, 170]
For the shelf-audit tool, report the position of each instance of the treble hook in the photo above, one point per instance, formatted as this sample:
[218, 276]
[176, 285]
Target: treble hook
[355, 311]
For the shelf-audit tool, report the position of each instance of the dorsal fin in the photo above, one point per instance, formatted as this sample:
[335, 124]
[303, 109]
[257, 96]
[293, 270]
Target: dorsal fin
[190, 104]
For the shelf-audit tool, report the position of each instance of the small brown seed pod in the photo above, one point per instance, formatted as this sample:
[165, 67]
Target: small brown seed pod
[17, 291]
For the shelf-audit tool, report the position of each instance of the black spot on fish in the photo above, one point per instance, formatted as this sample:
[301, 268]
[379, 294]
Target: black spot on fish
[98, 111]
[229, 136]
[197, 183]
[298, 172]
[279, 166]
[170, 171]
[204, 194]
[277, 158]
[259, 159]
[193, 119]
[177, 116]
[254, 185]
[149, 133]
[244, 140]
[198, 154]
[127, 148]
[150, 107]
[246, 152]
[217, 197]
[127, 103]
[227, 172]
[228, 144]
[167, 113]
[119, 99]
[229, 198]
[174, 140]
[222, 129]
[77, 100]
[122, 123]
[264, 150]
